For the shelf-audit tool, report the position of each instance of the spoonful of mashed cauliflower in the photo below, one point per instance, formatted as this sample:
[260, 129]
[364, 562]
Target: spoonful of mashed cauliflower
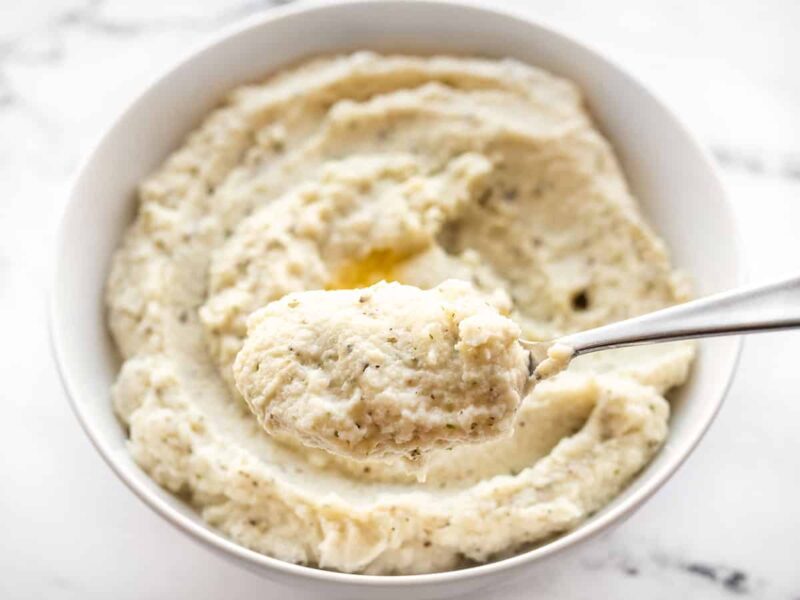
[393, 370]
[389, 370]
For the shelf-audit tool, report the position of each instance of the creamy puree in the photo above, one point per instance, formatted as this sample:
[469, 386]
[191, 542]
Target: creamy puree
[386, 370]
[558, 358]
[348, 170]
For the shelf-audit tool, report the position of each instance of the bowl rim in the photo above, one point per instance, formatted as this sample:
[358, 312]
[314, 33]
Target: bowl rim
[261, 562]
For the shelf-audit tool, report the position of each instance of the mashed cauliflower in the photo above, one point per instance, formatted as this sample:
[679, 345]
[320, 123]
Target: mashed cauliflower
[348, 170]
[385, 370]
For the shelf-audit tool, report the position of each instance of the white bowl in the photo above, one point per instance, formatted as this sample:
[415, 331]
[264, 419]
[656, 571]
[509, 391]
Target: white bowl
[669, 172]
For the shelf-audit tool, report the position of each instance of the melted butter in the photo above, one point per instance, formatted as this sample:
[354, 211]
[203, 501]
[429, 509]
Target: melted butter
[378, 265]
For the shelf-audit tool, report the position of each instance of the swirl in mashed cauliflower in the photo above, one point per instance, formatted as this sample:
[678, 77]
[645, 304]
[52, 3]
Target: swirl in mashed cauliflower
[346, 171]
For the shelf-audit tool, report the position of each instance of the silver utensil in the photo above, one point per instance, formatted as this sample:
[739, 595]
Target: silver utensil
[761, 308]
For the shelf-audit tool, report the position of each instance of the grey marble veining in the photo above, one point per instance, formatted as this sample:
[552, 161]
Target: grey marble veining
[726, 526]
[786, 166]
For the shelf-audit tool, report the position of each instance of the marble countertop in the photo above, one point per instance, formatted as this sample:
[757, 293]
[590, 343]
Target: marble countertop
[727, 525]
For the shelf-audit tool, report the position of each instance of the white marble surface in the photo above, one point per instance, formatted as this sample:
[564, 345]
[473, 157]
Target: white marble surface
[727, 525]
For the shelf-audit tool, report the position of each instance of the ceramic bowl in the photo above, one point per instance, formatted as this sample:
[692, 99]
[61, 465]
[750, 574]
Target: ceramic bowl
[671, 175]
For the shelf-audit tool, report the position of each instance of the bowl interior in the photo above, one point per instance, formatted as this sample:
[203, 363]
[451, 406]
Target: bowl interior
[669, 174]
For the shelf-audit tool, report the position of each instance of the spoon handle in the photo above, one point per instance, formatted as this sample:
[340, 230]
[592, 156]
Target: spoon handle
[767, 307]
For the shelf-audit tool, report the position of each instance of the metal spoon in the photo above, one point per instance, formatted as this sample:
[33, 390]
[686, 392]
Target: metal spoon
[769, 307]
